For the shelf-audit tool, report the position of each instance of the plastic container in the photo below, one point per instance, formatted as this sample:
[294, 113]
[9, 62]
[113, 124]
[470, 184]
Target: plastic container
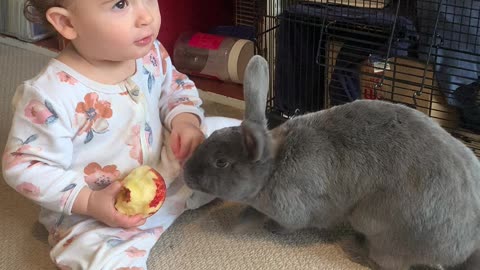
[214, 56]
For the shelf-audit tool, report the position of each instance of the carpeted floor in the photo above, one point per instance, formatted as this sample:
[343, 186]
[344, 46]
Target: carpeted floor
[204, 239]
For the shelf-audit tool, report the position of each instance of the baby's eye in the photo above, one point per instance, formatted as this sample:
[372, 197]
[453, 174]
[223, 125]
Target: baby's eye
[121, 4]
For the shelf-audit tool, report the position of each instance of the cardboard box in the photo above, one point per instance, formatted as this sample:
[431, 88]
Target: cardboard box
[333, 48]
[402, 79]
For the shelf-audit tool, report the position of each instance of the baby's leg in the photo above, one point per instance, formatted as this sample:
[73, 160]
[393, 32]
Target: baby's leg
[214, 123]
[210, 125]
[92, 245]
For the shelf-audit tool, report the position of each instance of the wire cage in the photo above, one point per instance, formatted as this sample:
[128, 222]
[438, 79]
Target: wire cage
[421, 53]
[246, 12]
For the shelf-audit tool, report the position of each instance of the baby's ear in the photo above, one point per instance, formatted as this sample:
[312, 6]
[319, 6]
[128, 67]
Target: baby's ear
[60, 19]
[254, 140]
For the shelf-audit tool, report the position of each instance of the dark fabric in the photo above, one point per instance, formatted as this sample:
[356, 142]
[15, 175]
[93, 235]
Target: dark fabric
[299, 81]
[345, 84]
[457, 57]
[468, 96]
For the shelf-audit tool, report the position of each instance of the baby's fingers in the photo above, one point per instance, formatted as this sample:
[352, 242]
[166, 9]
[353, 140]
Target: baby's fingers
[184, 150]
[139, 219]
[126, 222]
[175, 143]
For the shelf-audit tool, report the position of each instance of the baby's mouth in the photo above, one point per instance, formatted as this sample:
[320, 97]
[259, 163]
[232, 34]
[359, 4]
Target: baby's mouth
[144, 41]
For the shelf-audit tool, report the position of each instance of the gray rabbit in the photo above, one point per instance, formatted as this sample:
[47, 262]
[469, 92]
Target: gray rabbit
[410, 189]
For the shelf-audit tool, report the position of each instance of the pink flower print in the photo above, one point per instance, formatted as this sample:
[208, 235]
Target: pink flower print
[164, 55]
[69, 241]
[151, 67]
[35, 163]
[155, 232]
[179, 101]
[66, 78]
[98, 177]
[22, 154]
[181, 81]
[129, 233]
[39, 113]
[134, 141]
[158, 231]
[91, 116]
[29, 190]
[134, 252]
[151, 62]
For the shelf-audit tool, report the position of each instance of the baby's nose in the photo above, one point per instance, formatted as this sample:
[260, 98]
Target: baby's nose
[144, 16]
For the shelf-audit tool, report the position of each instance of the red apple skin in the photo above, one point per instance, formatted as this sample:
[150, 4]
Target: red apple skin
[124, 198]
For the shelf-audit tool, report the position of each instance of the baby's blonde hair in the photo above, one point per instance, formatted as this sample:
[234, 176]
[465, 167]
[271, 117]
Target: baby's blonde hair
[36, 10]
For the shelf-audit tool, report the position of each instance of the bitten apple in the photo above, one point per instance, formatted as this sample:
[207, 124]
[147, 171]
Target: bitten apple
[143, 192]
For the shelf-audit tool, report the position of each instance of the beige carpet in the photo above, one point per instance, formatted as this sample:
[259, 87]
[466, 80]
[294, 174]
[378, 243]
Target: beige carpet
[207, 238]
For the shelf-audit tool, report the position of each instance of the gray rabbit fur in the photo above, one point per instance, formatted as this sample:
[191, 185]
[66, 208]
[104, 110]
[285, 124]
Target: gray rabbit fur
[410, 189]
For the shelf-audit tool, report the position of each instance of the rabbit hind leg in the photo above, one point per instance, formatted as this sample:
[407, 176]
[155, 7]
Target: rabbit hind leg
[386, 255]
[472, 263]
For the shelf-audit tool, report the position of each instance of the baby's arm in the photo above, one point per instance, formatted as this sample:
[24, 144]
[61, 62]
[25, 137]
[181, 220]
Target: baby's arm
[178, 94]
[39, 151]
[38, 158]
[180, 109]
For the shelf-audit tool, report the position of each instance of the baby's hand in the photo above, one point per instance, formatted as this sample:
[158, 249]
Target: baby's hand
[101, 207]
[186, 135]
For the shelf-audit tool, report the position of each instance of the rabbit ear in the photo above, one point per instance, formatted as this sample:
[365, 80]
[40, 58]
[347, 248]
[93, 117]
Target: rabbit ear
[254, 140]
[255, 90]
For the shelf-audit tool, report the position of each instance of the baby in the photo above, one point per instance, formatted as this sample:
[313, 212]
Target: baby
[93, 114]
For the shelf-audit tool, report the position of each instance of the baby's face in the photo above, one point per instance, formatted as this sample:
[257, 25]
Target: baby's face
[115, 30]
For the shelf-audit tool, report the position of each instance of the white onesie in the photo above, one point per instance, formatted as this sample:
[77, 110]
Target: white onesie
[69, 131]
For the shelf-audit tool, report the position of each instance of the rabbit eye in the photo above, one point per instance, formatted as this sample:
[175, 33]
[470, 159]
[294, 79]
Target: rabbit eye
[221, 163]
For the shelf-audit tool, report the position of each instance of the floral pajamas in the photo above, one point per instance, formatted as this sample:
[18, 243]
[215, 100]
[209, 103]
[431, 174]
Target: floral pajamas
[69, 132]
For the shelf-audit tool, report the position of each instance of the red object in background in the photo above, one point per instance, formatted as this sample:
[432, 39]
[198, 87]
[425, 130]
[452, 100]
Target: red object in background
[180, 16]
[206, 41]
